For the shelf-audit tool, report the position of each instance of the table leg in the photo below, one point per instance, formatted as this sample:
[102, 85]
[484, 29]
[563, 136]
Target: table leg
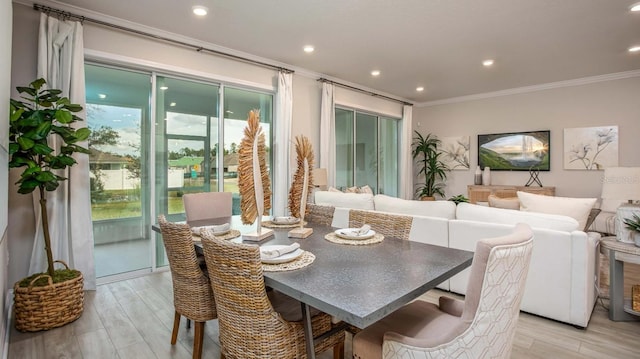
[308, 333]
[616, 290]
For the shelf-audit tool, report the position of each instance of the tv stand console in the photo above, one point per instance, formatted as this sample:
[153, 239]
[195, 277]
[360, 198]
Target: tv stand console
[479, 193]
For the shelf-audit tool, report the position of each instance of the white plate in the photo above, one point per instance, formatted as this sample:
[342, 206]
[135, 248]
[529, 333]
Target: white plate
[285, 220]
[283, 258]
[196, 236]
[346, 233]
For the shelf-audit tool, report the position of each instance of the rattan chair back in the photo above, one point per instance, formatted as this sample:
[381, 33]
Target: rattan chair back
[192, 294]
[249, 326]
[320, 214]
[389, 225]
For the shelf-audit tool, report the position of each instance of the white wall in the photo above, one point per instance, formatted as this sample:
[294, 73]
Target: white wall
[5, 86]
[105, 43]
[614, 102]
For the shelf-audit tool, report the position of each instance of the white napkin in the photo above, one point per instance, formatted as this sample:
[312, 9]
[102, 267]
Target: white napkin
[284, 220]
[222, 228]
[356, 232]
[275, 253]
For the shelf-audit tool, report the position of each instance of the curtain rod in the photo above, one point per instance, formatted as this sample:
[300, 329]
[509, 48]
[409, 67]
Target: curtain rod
[69, 15]
[322, 79]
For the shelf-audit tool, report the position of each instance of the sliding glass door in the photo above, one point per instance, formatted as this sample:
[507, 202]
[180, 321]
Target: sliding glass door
[154, 139]
[118, 115]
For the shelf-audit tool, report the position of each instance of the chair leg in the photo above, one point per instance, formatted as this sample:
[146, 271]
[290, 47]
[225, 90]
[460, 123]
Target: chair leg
[338, 351]
[176, 325]
[198, 337]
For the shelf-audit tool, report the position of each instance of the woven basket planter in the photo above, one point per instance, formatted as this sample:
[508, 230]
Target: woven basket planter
[39, 308]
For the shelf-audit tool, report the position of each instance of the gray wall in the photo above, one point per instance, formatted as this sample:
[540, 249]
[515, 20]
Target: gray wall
[614, 102]
[5, 85]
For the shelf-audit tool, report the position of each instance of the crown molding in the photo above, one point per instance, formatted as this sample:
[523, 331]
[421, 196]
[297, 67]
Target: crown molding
[534, 88]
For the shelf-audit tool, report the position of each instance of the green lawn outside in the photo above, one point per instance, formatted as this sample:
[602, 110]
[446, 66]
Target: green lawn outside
[122, 208]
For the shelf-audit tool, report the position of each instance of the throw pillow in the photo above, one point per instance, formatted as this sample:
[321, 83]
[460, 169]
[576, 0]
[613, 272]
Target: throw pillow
[365, 189]
[577, 208]
[353, 189]
[333, 189]
[506, 203]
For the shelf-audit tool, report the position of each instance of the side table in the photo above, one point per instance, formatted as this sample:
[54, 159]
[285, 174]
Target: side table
[619, 252]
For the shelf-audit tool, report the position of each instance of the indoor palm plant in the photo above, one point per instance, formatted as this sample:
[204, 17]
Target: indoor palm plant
[425, 151]
[41, 115]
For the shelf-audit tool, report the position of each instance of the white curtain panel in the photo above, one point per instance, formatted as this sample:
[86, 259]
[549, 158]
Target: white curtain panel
[61, 64]
[406, 162]
[284, 116]
[328, 132]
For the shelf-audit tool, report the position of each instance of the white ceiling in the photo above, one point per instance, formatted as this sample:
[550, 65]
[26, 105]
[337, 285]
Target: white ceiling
[438, 44]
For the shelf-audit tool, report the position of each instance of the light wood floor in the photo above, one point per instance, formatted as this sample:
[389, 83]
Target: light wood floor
[133, 319]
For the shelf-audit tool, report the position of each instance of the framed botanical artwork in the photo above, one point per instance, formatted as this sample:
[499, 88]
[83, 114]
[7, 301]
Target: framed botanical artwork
[515, 151]
[455, 152]
[590, 148]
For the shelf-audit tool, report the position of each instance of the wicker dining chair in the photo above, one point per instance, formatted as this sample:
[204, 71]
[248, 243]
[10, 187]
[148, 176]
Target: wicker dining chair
[206, 205]
[254, 324]
[192, 294]
[320, 214]
[391, 225]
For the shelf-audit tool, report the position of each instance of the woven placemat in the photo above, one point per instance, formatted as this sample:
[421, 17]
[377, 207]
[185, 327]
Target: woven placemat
[304, 260]
[234, 233]
[270, 224]
[377, 238]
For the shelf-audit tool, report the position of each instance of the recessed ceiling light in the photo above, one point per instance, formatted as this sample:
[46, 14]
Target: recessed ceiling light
[635, 7]
[101, 95]
[634, 49]
[164, 88]
[308, 48]
[487, 63]
[375, 73]
[420, 89]
[200, 10]
[173, 104]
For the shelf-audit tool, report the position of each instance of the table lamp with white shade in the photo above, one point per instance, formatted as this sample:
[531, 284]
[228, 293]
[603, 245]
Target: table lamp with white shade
[623, 183]
[320, 178]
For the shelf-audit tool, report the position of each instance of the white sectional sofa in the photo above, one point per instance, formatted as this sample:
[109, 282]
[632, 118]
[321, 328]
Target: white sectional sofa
[563, 272]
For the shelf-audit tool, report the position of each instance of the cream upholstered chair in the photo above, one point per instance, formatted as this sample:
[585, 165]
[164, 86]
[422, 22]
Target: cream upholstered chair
[205, 205]
[252, 323]
[192, 294]
[391, 225]
[481, 326]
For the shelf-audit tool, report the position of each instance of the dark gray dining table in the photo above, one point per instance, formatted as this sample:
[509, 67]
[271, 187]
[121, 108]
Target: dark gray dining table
[358, 284]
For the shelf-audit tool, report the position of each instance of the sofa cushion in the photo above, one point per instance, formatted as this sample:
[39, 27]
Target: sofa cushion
[577, 208]
[441, 209]
[472, 212]
[344, 200]
[506, 203]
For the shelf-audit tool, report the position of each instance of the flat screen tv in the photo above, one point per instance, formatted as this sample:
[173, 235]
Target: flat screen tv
[514, 151]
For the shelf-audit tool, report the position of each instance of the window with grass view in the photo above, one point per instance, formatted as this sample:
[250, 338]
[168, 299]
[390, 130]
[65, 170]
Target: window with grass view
[154, 139]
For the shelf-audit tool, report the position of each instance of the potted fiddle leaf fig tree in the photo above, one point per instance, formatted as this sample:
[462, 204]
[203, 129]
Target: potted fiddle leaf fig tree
[45, 300]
